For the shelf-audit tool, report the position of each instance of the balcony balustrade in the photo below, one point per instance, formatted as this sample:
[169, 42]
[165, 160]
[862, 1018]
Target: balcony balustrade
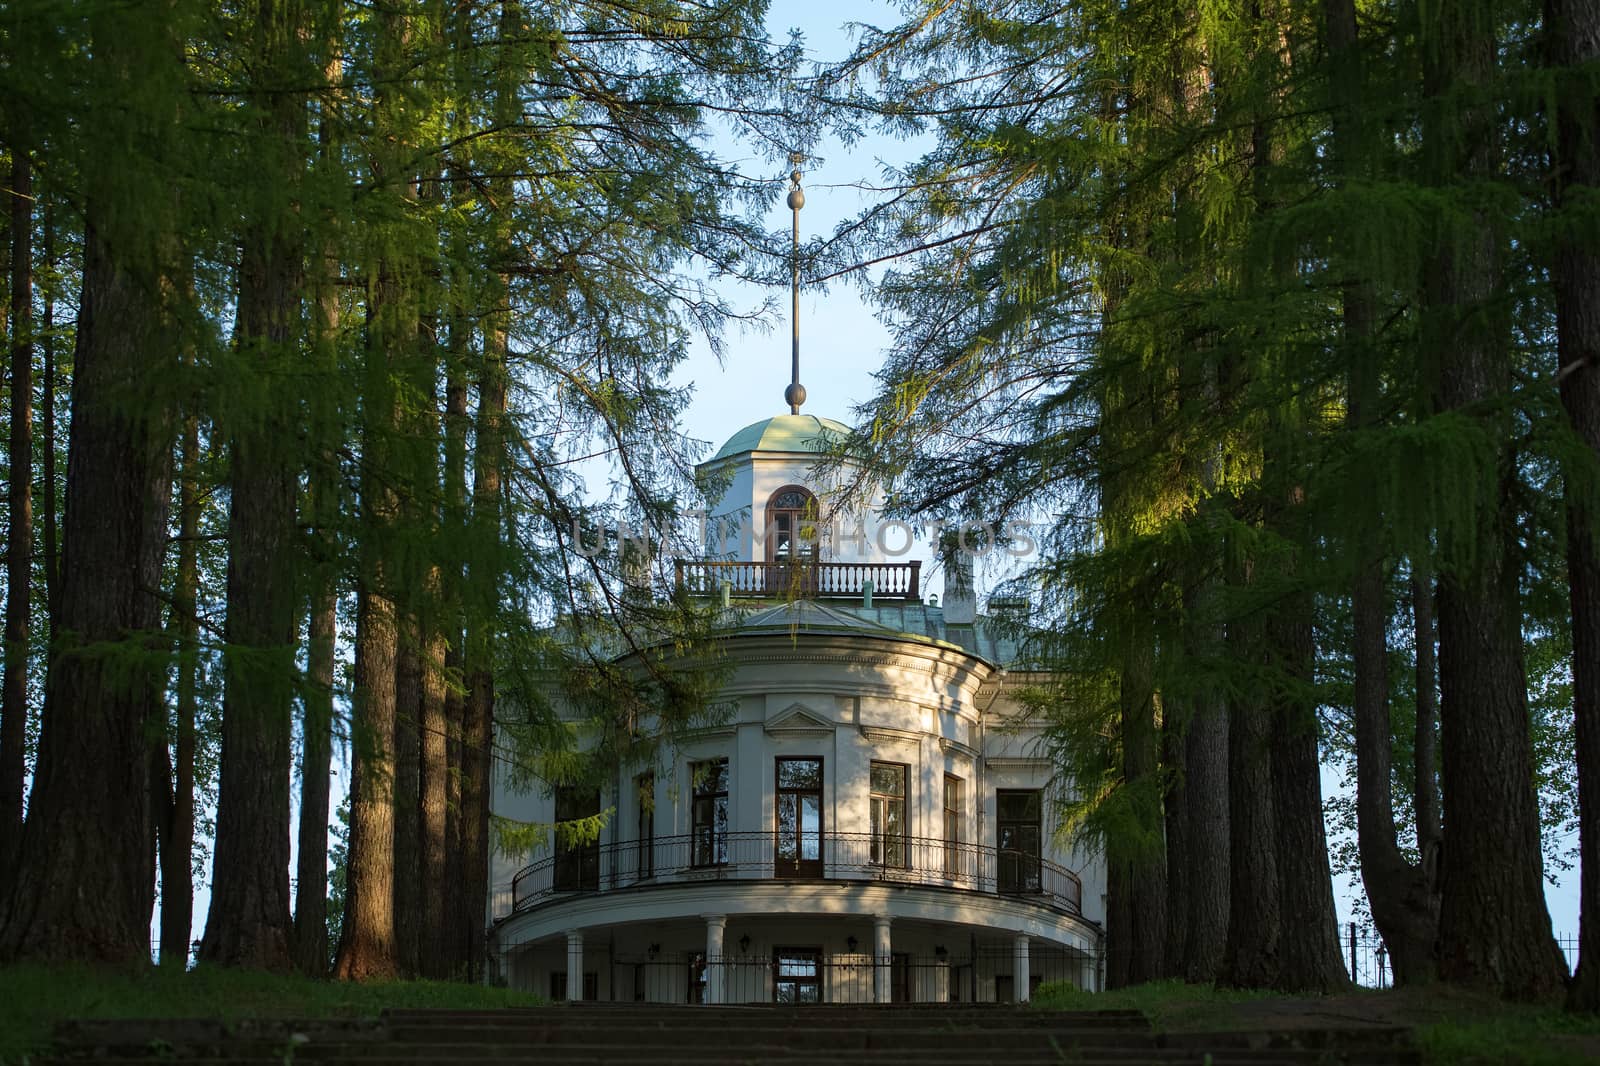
[800, 579]
[846, 857]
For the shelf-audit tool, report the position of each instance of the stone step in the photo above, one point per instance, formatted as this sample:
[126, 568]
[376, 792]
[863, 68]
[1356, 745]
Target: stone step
[624, 1034]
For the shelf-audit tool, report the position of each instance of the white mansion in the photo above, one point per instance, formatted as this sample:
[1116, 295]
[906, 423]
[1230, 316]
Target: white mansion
[866, 826]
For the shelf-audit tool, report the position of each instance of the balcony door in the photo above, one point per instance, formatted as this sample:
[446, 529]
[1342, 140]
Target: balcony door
[577, 864]
[1017, 821]
[792, 542]
[798, 814]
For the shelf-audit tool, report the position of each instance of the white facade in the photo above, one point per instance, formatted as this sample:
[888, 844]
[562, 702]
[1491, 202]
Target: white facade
[867, 825]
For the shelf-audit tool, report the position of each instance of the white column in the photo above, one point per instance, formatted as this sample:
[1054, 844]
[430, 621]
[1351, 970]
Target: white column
[883, 960]
[1019, 967]
[716, 968]
[574, 965]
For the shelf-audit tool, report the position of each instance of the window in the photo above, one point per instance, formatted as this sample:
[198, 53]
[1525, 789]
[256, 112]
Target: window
[710, 813]
[952, 825]
[798, 813]
[558, 986]
[791, 529]
[797, 975]
[889, 813]
[645, 861]
[697, 977]
[577, 864]
[1017, 814]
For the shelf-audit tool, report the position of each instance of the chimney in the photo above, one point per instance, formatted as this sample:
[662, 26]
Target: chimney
[960, 597]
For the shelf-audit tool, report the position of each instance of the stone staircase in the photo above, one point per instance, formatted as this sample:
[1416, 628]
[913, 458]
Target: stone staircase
[629, 1034]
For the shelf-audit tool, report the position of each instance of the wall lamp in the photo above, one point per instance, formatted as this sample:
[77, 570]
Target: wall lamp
[744, 944]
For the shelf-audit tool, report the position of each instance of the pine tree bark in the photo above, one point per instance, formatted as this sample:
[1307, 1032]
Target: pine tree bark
[483, 581]
[454, 919]
[1425, 744]
[408, 887]
[1494, 929]
[1251, 956]
[89, 819]
[1147, 889]
[322, 628]
[19, 532]
[174, 789]
[1572, 29]
[47, 421]
[368, 949]
[316, 757]
[1309, 957]
[1175, 805]
[248, 922]
[434, 961]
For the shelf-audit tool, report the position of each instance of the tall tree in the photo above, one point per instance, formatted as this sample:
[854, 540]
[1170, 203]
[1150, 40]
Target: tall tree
[19, 538]
[248, 922]
[1494, 929]
[88, 819]
[1572, 31]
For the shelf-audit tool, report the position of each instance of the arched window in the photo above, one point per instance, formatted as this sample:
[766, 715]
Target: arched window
[791, 528]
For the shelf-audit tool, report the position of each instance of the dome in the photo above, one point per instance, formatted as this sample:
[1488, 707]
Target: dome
[785, 433]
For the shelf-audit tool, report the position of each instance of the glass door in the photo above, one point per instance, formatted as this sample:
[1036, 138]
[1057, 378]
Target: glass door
[798, 814]
[1017, 817]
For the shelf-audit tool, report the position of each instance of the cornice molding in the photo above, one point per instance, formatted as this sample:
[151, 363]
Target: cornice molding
[955, 747]
[891, 736]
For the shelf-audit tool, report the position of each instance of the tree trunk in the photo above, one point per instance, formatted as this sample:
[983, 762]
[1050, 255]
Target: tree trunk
[1572, 30]
[1147, 891]
[89, 819]
[483, 580]
[435, 770]
[1205, 759]
[1251, 956]
[322, 629]
[1425, 748]
[248, 922]
[316, 756]
[175, 788]
[1175, 804]
[1494, 929]
[453, 921]
[19, 538]
[1309, 958]
[47, 422]
[367, 950]
[408, 887]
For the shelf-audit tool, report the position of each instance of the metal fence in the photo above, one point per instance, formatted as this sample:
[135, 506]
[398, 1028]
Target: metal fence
[760, 855]
[800, 976]
[1367, 957]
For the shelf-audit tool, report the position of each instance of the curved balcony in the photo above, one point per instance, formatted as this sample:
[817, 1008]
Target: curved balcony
[839, 857]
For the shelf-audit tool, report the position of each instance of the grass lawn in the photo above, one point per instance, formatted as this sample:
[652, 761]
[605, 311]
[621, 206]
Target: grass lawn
[1451, 1025]
[34, 998]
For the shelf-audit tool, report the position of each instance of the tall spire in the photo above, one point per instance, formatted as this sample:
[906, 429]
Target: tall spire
[795, 394]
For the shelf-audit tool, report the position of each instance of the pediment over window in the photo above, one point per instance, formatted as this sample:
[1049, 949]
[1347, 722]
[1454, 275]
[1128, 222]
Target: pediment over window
[798, 720]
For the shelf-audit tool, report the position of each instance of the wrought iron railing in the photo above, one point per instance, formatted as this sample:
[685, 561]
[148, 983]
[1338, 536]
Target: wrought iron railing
[801, 578]
[856, 977]
[676, 860]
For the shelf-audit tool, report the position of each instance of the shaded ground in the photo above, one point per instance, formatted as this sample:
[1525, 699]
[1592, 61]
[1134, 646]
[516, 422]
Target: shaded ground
[1451, 1025]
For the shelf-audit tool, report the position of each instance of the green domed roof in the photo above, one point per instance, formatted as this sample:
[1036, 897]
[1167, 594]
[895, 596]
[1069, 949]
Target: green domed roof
[785, 433]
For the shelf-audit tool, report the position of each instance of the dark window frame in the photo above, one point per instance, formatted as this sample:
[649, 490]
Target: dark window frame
[799, 981]
[1019, 852]
[889, 850]
[781, 532]
[798, 865]
[708, 833]
[953, 817]
[577, 866]
[645, 856]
